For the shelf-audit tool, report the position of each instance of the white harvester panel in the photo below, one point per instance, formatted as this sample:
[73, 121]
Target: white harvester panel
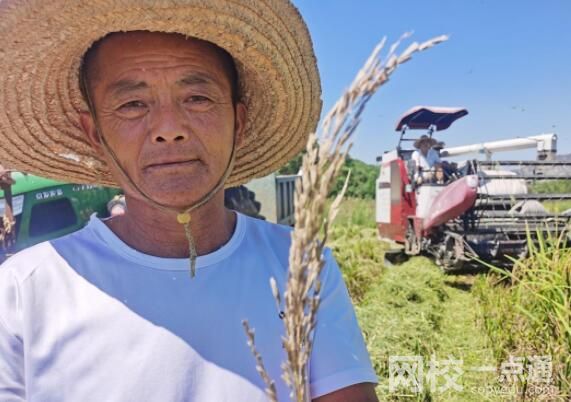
[425, 196]
[489, 185]
[383, 196]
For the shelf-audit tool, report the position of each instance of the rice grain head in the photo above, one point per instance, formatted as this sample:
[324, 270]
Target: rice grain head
[325, 155]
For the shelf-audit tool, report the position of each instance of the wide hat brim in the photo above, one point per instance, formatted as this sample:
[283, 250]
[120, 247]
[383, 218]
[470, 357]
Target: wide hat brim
[42, 43]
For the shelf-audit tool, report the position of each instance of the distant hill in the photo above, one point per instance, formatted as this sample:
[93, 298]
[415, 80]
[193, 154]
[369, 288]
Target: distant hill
[565, 157]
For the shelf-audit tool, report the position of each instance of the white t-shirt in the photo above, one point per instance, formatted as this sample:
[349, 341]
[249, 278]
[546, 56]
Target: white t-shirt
[425, 162]
[87, 318]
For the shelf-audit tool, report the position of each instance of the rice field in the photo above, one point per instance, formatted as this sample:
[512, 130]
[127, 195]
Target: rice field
[475, 336]
[528, 311]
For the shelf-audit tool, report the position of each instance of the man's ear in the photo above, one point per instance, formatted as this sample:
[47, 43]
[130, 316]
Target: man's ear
[240, 123]
[90, 131]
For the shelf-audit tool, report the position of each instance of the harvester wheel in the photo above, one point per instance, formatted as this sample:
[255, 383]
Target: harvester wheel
[411, 241]
[450, 254]
[395, 257]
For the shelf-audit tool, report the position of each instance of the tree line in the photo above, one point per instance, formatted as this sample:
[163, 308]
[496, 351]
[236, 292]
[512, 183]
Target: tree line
[361, 183]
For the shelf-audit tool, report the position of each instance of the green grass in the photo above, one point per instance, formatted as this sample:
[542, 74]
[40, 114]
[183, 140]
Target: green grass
[552, 186]
[528, 312]
[556, 187]
[557, 207]
[360, 254]
[353, 239]
[408, 310]
[414, 309]
[358, 212]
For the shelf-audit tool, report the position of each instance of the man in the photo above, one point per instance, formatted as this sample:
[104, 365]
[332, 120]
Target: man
[7, 235]
[117, 206]
[110, 312]
[425, 159]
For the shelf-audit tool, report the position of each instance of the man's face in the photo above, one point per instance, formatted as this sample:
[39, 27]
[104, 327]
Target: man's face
[424, 147]
[164, 105]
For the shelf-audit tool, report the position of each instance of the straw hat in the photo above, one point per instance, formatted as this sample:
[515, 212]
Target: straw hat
[425, 139]
[42, 43]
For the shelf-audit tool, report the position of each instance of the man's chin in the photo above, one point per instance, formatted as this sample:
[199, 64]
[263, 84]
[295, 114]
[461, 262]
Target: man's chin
[177, 198]
[181, 196]
[175, 192]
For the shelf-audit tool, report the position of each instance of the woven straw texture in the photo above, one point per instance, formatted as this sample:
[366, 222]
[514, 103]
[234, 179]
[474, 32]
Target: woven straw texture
[42, 42]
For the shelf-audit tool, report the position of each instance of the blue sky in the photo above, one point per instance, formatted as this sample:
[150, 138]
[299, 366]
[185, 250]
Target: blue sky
[507, 61]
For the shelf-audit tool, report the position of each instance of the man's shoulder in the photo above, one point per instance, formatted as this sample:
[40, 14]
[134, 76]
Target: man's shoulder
[273, 236]
[25, 262]
[268, 230]
[267, 227]
[263, 236]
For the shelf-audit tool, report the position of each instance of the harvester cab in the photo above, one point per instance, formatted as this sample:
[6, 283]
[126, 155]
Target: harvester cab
[473, 209]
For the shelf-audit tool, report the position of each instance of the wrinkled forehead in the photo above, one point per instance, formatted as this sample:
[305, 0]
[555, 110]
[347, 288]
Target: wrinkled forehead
[120, 45]
[126, 48]
[134, 41]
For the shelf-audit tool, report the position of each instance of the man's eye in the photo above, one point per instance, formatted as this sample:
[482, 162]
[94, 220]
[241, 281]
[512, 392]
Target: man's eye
[198, 103]
[197, 99]
[132, 105]
[133, 110]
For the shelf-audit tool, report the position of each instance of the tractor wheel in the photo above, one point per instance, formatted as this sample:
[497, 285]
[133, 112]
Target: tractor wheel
[243, 200]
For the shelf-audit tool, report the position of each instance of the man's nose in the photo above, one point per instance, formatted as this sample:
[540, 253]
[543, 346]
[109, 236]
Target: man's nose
[170, 136]
[168, 126]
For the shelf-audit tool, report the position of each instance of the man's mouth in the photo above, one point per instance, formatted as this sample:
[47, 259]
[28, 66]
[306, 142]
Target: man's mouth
[172, 165]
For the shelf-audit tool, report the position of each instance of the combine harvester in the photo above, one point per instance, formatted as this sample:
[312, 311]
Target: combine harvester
[482, 209]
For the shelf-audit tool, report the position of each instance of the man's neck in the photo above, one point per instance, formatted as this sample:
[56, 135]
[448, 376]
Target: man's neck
[156, 232]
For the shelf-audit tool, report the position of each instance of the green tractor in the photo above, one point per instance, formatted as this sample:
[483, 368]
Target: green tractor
[35, 209]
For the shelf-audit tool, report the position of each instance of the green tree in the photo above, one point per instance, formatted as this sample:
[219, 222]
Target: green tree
[361, 182]
[292, 167]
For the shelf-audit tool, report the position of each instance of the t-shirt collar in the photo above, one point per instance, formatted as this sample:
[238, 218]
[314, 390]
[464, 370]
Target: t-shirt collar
[106, 235]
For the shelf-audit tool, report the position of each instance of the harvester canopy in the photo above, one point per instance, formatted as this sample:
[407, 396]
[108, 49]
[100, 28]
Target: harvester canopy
[425, 117]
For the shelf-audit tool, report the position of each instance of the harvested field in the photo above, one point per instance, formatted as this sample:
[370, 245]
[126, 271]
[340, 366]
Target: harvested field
[415, 310]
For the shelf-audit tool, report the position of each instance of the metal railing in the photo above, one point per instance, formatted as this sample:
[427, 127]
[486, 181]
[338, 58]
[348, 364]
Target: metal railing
[285, 188]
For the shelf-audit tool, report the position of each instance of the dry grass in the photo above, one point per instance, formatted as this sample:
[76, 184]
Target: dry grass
[321, 166]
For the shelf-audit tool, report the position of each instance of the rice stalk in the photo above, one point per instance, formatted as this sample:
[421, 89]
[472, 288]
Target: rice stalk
[270, 384]
[531, 313]
[325, 154]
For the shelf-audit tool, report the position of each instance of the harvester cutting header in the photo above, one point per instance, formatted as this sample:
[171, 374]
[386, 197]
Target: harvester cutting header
[476, 208]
